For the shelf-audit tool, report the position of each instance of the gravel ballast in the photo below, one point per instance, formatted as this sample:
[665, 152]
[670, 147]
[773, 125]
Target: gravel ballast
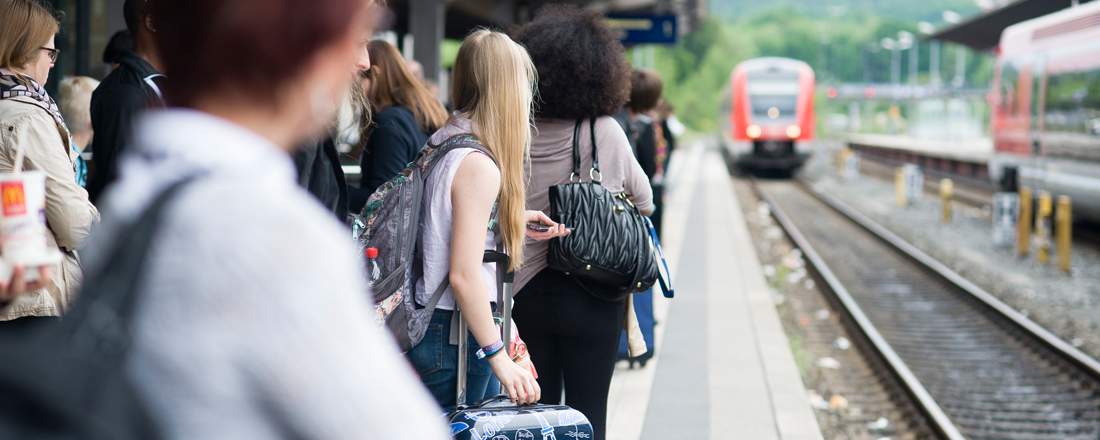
[1067, 305]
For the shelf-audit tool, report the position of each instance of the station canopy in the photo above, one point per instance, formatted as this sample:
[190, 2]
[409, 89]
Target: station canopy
[983, 32]
[462, 16]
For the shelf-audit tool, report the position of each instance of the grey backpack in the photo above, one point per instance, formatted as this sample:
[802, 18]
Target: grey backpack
[389, 228]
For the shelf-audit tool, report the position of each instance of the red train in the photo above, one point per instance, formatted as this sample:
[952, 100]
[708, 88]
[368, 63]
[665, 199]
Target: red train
[768, 114]
[1046, 107]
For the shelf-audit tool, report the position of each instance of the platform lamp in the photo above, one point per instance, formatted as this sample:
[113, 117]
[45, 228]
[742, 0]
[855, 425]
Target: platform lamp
[952, 17]
[892, 45]
[927, 29]
[906, 39]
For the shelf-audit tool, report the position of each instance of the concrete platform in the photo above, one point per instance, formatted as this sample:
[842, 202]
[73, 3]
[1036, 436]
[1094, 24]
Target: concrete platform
[976, 151]
[723, 367]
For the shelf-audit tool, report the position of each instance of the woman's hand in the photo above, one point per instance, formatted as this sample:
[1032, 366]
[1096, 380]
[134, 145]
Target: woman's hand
[555, 230]
[517, 380]
[18, 284]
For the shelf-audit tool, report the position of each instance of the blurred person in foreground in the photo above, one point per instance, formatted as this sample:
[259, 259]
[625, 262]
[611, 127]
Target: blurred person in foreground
[253, 321]
[76, 98]
[404, 114]
[125, 92]
[572, 335]
[31, 127]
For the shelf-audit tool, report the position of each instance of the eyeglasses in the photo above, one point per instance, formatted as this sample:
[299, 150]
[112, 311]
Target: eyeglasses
[52, 53]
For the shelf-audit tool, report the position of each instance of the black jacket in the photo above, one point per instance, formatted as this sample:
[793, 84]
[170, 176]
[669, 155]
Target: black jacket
[319, 172]
[122, 95]
[394, 142]
[643, 139]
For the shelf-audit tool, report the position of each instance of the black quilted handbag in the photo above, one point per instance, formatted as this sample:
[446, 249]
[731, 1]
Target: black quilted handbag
[609, 251]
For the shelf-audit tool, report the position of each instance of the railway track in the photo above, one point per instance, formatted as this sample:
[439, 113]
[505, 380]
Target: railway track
[975, 367]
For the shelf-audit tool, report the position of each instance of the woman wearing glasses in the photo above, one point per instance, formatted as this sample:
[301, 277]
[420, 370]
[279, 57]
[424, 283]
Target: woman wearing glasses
[30, 121]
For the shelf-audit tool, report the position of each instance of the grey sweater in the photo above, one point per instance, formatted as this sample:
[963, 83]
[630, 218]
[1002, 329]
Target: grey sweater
[552, 162]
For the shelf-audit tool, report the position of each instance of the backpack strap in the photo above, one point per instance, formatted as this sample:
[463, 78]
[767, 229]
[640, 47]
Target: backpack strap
[108, 309]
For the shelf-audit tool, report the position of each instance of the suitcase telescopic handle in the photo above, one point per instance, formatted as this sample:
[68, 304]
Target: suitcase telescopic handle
[505, 278]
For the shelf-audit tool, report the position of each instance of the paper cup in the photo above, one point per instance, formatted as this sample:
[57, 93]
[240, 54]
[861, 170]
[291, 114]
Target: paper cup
[23, 220]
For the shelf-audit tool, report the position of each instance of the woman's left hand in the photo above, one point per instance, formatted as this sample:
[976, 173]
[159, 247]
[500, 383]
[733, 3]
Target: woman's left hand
[538, 217]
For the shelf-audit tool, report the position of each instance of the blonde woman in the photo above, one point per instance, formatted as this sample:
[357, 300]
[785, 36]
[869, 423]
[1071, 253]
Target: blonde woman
[76, 101]
[30, 121]
[493, 81]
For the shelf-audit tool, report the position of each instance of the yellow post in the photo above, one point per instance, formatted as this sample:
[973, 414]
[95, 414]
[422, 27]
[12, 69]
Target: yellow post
[842, 158]
[947, 191]
[1042, 226]
[900, 192]
[1063, 218]
[1023, 223]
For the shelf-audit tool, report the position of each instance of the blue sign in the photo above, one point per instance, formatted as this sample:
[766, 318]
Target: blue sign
[645, 29]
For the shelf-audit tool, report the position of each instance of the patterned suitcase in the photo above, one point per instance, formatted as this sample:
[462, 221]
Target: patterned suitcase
[498, 418]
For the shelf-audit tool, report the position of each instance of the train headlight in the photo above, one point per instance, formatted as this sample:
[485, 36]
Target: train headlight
[753, 131]
[794, 131]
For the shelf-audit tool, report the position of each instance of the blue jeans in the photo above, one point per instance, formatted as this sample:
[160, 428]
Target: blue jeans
[436, 361]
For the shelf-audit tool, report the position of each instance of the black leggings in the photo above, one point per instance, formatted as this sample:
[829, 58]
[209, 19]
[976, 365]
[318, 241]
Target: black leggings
[573, 338]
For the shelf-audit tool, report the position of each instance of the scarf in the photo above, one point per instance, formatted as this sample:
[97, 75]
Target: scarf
[14, 85]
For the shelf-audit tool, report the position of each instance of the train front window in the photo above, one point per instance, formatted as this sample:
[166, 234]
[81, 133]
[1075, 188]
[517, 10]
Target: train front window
[773, 106]
[773, 97]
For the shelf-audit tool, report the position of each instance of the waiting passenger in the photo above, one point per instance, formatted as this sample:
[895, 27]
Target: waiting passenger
[32, 128]
[76, 98]
[492, 92]
[573, 336]
[404, 114]
[252, 322]
[125, 92]
[643, 125]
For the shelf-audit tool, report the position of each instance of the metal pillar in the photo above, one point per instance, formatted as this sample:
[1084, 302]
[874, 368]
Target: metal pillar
[426, 27]
[960, 66]
[934, 63]
[914, 62]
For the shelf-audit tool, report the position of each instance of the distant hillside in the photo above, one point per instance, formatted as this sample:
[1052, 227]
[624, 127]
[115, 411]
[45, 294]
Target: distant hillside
[907, 10]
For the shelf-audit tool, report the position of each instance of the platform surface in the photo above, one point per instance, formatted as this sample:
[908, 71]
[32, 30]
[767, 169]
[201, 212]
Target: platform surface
[977, 151]
[723, 367]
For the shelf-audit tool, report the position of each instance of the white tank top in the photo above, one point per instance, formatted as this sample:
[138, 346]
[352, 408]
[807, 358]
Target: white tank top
[435, 234]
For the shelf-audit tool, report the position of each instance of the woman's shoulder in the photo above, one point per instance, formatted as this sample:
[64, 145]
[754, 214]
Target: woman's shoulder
[394, 114]
[18, 111]
[610, 133]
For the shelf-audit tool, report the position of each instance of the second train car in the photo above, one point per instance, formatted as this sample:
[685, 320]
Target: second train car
[768, 114]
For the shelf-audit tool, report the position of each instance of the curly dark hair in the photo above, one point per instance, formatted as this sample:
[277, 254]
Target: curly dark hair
[582, 70]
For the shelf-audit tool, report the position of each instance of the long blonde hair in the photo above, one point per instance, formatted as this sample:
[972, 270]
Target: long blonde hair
[493, 84]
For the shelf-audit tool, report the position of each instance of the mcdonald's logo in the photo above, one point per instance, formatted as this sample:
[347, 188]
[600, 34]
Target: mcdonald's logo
[13, 198]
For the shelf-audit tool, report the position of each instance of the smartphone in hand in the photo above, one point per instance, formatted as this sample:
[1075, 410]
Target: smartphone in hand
[538, 227]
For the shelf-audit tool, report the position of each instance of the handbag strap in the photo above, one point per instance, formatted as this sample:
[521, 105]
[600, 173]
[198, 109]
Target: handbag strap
[594, 172]
[665, 276]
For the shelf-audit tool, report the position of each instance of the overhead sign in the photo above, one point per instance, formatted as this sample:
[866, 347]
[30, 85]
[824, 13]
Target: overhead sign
[644, 29]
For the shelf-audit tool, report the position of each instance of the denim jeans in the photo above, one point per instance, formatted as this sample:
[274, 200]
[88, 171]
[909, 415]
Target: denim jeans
[436, 361]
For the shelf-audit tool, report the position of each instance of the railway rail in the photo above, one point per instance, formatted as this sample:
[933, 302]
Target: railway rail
[975, 367]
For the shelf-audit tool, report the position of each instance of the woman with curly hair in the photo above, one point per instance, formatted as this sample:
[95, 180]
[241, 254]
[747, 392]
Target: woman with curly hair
[572, 335]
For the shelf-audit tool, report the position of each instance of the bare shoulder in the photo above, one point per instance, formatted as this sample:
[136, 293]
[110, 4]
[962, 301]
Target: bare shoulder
[477, 170]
